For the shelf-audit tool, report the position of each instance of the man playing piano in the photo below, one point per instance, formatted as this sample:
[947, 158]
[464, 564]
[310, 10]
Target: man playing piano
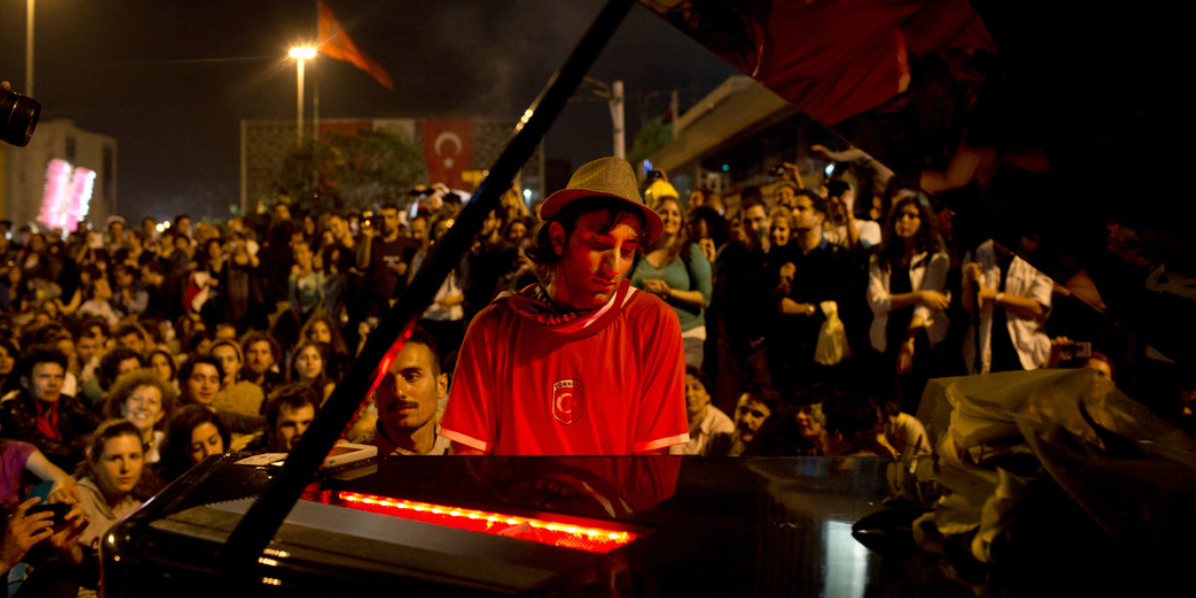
[582, 363]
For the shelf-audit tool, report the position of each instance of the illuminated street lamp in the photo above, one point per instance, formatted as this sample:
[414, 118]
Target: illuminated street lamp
[301, 54]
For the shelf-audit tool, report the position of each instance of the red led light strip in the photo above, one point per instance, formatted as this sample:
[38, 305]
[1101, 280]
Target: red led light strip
[553, 533]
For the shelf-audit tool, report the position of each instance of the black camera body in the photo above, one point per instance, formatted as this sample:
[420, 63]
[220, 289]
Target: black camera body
[18, 117]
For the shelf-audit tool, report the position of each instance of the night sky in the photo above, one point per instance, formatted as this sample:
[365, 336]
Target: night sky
[172, 80]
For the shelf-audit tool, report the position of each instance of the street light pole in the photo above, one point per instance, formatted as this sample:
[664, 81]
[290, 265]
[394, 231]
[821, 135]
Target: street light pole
[613, 94]
[29, 48]
[616, 116]
[301, 54]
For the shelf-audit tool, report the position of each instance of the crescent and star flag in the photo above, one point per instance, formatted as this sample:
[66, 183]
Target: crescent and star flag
[448, 145]
[335, 43]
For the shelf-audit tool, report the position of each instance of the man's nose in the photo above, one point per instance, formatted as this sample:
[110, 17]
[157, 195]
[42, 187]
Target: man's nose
[613, 262]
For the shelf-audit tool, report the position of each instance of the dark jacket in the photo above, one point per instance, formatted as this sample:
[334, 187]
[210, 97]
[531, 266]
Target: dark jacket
[18, 420]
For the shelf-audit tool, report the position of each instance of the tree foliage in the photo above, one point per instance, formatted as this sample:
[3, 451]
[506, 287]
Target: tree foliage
[350, 171]
[653, 135]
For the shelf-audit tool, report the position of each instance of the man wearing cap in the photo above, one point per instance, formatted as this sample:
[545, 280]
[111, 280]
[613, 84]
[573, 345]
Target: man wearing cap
[582, 363]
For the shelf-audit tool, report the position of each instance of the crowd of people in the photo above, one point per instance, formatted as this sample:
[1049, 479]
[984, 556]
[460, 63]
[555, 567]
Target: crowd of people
[810, 320]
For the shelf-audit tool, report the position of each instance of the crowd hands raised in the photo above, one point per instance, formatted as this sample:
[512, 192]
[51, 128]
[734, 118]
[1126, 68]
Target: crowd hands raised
[811, 319]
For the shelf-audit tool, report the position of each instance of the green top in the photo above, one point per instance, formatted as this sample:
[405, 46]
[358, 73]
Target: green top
[694, 276]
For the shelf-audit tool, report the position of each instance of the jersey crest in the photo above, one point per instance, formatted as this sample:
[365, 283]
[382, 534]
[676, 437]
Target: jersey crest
[567, 400]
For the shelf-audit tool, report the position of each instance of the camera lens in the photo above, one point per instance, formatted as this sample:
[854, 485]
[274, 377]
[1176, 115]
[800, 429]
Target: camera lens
[18, 114]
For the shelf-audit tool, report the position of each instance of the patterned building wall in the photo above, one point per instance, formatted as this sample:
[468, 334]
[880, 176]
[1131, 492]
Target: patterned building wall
[265, 143]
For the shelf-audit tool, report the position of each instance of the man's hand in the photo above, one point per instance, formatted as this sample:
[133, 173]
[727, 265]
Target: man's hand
[934, 300]
[23, 532]
[905, 357]
[63, 490]
[65, 538]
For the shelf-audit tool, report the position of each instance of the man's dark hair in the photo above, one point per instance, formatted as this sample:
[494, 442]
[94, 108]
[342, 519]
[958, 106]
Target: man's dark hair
[130, 328]
[765, 394]
[109, 368]
[154, 266]
[816, 201]
[294, 395]
[188, 368]
[451, 199]
[697, 373]
[837, 188]
[37, 354]
[255, 337]
[87, 327]
[390, 205]
[44, 334]
[420, 336]
[541, 251]
[854, 416]
[748, 193]
[750, 202]
[180, 217]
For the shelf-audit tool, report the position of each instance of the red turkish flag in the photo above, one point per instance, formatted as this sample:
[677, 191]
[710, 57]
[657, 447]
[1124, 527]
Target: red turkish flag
[448, 146]
[335, 43]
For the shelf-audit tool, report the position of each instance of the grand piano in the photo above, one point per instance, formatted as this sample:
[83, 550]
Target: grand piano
[1081, 108]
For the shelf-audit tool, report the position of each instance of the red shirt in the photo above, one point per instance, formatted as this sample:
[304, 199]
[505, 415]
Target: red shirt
[611, 382]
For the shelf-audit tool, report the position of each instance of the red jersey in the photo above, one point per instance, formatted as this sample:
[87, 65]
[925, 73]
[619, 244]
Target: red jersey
[529, 382]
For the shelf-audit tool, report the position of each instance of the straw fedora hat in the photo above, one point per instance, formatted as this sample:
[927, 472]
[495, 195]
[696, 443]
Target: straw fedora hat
[605, 177]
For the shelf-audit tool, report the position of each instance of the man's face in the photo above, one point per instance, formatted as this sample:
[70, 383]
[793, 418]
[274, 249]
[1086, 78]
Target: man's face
[756, 220]
[183, 225]
[390, 220]
[45, 381]
[805, 217]
[490, 224]
[132, 340]
[203, 383]
[124, 277]
[419, 229]
[407, 396]
[259, 357]
[337, 225]
[696, 397]
[749, 416]
[127, 366]
[303, 254]
[291, 425]
[593, 260]
[785, 196]
[89, 347]
[1101, 367]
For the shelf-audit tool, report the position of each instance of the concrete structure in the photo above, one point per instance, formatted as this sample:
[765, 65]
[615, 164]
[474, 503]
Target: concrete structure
[23, 170]
[735, 135]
